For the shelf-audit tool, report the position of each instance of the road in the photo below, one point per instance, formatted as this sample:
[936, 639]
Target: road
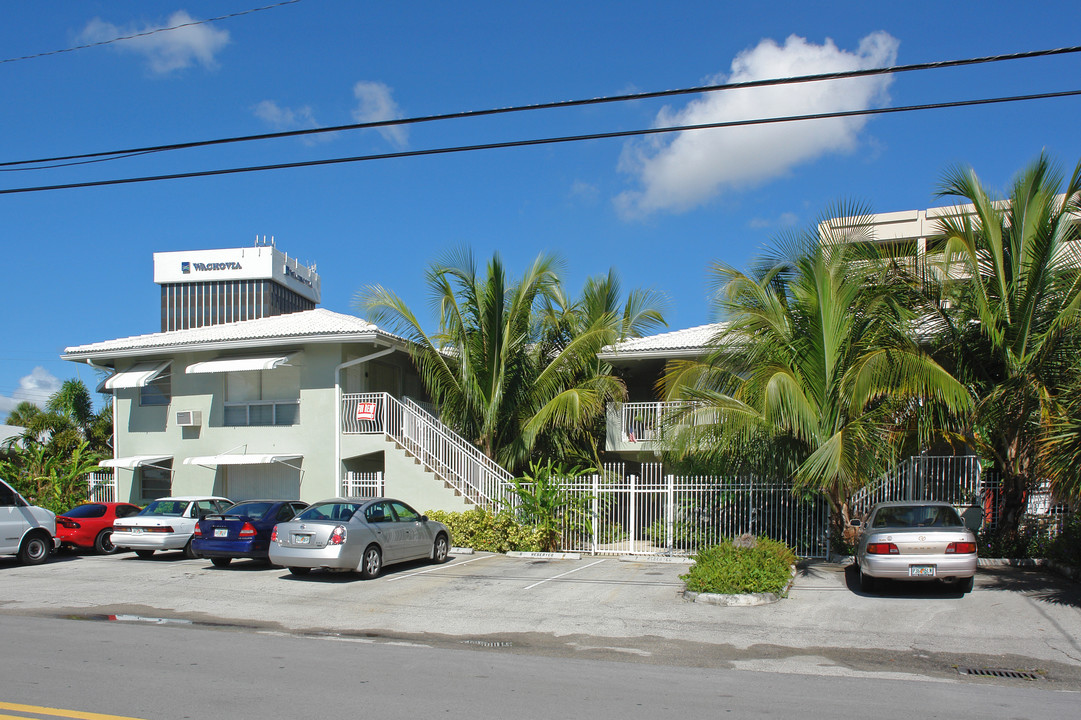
[516, 635]
[163, 672]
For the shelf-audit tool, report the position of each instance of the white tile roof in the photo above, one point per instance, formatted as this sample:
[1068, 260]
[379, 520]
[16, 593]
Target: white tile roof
[675, 342]
[307, 325]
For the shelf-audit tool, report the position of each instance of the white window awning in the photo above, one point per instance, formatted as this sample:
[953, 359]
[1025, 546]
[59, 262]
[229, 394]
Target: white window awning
[241, 459]
[238, 364]
[137, 376]
[133, 461]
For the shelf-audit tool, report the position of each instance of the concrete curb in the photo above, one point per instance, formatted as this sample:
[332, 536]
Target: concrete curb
[658, 559]
[545, 555]
[461, 551]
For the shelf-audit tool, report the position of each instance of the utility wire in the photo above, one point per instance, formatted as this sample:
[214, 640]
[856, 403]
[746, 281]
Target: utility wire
[148, 32]
[8, 166]
[545, 141]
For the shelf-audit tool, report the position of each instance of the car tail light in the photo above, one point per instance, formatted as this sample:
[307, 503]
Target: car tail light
[198, 531]
[274, 534]
[70, 524]
[248, 531]
[882, 549]
[162, 529]
[961, 548]
[337, 536]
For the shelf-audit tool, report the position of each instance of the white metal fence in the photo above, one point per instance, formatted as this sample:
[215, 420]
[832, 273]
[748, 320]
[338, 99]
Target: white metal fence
[362, 485]
[656, 514]
[956, 479]
[101, 487]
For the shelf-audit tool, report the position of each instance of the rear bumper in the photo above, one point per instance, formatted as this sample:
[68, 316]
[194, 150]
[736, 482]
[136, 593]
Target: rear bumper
[150, 541]
[231, 548]
[334, 557]
[897, 567]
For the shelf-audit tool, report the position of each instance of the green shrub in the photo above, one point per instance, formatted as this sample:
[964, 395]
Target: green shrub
[481, 530]
[728, 569]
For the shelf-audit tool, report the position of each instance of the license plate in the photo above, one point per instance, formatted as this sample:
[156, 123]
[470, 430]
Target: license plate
[921, 570]
[302, 539]
[136, 531]
[221, 532]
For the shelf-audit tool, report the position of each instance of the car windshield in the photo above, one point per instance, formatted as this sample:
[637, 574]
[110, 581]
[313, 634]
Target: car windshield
[167, 508]
[253, 510]
[329, 511]
[916, 516]
[91, 510]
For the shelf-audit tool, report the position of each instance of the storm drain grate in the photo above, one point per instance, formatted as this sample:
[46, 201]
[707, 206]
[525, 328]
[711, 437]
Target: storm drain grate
[487, 643]
[999, 673]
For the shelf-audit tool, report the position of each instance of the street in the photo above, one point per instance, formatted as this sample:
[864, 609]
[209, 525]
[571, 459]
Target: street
[174, 672]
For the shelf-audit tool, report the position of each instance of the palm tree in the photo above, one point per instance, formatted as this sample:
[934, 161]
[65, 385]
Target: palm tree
[814, 375]
[502, 372]
[1008, 297]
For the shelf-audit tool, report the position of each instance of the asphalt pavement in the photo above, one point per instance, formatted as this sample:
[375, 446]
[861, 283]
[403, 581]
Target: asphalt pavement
[1019, 625]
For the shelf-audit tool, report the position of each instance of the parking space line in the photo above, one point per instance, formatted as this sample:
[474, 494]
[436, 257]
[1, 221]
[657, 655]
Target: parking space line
[438, 567]
[56, 712]
[563, 574]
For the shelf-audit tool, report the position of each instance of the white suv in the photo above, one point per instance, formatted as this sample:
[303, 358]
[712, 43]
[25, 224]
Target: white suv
[166, 524]
[25, 530]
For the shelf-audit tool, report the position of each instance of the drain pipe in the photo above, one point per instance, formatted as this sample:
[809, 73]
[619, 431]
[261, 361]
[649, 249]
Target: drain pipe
[338, 409]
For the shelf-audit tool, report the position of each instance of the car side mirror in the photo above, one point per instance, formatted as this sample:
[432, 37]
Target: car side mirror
[855, 522]
[423, 518]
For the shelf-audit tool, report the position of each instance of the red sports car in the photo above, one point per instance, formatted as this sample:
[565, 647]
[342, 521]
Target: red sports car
[91, 525]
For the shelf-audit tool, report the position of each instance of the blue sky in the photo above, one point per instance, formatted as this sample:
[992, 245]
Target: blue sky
[79, 262]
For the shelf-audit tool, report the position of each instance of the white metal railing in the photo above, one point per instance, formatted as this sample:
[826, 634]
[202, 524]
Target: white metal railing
[449, 456]
[643, 421]
[362, 484]
[101, 487]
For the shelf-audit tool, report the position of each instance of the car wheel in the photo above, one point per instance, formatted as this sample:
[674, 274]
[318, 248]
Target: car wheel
[299, 571]
[440, 549]
[965, 584]
[35, 549]
[103, 543]
[221, 562]
[867, 582]
[372, 563]
[144, 554]
[189, 551]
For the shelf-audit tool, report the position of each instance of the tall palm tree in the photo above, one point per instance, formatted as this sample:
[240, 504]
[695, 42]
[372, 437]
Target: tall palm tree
[814, 374]
[1009, 293]
[499, 374]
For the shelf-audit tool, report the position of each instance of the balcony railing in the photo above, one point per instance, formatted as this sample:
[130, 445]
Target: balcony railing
[644, 421]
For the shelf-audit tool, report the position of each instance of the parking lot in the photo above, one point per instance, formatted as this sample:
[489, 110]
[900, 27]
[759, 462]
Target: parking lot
[592, 606]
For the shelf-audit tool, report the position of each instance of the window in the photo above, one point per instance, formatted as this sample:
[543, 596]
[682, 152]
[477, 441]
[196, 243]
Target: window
[158, 391]
[262, 397]
[405, 513]
[156, 481]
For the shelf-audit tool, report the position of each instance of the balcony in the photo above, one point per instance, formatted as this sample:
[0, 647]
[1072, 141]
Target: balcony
[636, 427]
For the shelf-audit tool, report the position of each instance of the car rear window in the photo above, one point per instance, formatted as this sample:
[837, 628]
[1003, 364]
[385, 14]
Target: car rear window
[167, 508]
[329, 511]
[91, 510]
[253, 510]
[916, 516]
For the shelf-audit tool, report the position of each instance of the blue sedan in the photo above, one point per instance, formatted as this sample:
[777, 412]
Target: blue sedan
[242, 531]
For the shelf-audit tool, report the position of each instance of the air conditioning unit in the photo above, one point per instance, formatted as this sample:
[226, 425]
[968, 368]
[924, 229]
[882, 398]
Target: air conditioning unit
[189, 418]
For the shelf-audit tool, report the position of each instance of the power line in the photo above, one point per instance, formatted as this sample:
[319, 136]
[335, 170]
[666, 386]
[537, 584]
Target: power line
[118, 154]
[545, 141]
[148, 32]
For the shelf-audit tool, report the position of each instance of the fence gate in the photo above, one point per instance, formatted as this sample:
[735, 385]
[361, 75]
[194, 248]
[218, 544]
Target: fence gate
[101, 487]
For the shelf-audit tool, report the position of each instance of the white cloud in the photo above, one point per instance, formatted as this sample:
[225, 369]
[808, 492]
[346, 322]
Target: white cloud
[682, 172]
[785, 219]
[36, 387]
[168, 50]
[376, 104]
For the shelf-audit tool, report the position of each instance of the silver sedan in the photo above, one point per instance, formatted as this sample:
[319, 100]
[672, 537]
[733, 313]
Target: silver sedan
[915, 541]
[357, 534]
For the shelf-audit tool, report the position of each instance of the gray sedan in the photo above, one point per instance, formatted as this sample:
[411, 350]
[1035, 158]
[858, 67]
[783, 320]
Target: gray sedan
[357, 534]
[915, 541]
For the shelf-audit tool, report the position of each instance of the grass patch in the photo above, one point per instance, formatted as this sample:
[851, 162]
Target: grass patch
[734, 569]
